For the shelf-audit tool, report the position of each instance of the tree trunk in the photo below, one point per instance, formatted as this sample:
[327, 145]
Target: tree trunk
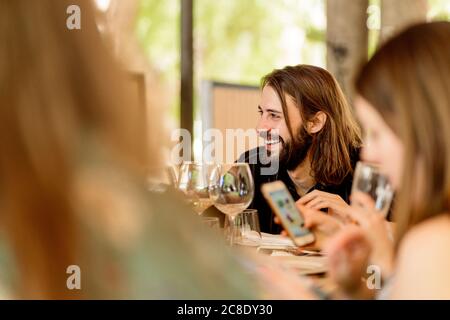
[117, 25]
[347, 40]
[399, 14]
[187, 71]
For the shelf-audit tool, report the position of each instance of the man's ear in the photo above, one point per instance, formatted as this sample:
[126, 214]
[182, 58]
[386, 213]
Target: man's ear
[317, 123]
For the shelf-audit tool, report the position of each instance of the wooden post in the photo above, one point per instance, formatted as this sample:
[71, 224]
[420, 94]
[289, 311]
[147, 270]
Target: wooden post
[187, 71]
[399, 14]
[347, 40]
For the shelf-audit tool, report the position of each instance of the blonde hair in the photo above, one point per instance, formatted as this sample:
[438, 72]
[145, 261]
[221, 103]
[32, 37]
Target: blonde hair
[408, 82]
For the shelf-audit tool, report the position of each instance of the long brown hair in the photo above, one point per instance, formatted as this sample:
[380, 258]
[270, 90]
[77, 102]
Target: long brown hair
[314, 89]
[59, 88]
[408, 82]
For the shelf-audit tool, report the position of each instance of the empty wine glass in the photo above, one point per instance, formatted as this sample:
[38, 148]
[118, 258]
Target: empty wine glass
[231, 190]
[193, 181]
[249, 231]
[211, 222]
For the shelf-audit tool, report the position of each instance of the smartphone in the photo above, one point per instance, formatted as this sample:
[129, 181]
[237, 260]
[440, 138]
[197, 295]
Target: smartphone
[282, 203]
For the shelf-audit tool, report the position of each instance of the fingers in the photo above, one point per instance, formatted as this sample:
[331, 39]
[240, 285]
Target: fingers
[317, 203]
[313, 217]
[363, 209]
[356, 215]
[335, 207]
[363, 200]
[321, 200]
[352, 245]
[321, 224]
[307, 213]
[320, 203]
[346, 240]
[314, 194]
[307, 197]
[277, 220]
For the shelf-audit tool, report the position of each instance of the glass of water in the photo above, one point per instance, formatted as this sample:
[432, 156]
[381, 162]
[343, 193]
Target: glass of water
[247, 229]
[368, 179]
[231, 190]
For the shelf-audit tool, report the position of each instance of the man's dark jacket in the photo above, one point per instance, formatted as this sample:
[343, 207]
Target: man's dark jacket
[266, 216]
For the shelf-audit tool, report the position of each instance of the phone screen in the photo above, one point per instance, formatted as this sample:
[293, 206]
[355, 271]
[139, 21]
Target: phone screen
[289, 212]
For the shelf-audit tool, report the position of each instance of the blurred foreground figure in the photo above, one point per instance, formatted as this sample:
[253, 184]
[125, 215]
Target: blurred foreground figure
[73, 175]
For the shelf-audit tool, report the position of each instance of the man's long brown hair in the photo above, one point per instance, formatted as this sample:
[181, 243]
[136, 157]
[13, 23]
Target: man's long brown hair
[314, 89]
[59, 89]
[408, 82]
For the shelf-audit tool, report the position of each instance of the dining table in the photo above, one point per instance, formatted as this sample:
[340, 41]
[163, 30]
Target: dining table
[306, 262]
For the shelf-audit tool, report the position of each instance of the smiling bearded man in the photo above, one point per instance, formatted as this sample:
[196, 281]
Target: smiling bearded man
[310, 130]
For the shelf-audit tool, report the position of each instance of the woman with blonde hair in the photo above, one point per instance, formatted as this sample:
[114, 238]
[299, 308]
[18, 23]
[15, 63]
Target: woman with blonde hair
[73, 165]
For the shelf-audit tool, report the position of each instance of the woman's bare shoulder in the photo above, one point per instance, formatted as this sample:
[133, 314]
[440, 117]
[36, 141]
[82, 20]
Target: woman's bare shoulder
[434, 231]
[423, 261]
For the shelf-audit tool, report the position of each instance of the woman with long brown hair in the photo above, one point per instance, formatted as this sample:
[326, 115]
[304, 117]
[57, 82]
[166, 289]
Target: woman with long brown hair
[403, 104]
[73, 165]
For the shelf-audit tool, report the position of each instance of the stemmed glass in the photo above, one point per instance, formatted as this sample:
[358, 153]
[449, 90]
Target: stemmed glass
[231, 189]
[193, 181]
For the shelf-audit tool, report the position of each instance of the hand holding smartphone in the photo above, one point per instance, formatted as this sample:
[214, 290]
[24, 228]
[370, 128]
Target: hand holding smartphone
[282, 203]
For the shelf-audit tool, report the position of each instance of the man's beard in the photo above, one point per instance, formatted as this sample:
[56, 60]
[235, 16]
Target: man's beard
[295, 151]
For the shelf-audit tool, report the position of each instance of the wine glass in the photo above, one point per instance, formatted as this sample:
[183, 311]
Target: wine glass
[249, 231]
[231, 190]
[193, 181]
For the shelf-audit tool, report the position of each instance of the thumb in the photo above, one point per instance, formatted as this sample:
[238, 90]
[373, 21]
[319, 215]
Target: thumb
[313, 217]
[363, 200]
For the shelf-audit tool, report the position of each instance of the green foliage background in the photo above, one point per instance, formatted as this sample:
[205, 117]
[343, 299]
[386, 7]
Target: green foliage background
[239, 41]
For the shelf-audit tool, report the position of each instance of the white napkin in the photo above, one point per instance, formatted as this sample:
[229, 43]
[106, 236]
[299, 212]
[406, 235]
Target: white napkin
[266, 240]
[276, 240]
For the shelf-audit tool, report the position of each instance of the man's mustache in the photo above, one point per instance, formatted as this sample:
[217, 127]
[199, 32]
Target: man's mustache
[270, 135]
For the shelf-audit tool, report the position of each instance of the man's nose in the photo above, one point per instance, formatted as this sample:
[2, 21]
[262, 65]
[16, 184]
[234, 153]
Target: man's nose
[263, 125]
